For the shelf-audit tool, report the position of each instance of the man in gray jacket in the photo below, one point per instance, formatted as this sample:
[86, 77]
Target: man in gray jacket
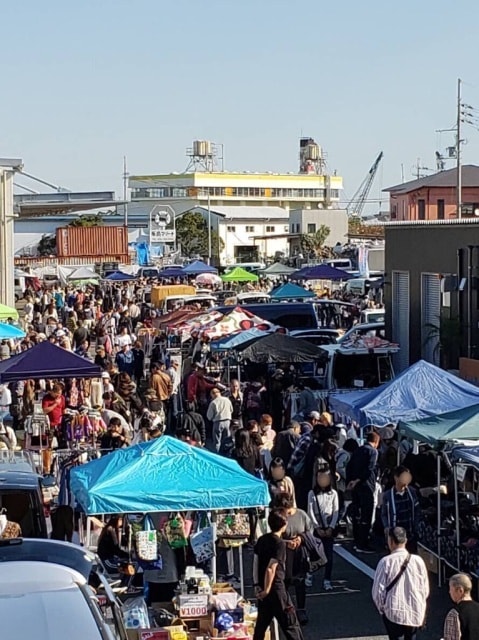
[219, 413]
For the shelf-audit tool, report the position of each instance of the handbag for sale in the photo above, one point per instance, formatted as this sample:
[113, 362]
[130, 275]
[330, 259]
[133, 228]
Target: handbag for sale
[232, 525]
[146, 541]
[202, 542]
[175, 531]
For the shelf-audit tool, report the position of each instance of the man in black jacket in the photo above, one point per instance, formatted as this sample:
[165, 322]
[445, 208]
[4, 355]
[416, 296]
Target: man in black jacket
[361, 474]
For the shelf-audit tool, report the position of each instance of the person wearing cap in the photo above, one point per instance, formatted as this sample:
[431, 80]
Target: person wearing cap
[462, 621]
[400, 507]
[219, 413]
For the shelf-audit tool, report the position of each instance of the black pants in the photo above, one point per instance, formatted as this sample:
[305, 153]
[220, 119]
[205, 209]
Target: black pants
[363, 508]
[399, 631]
[277, 605]
[328, 544]
[300, 591]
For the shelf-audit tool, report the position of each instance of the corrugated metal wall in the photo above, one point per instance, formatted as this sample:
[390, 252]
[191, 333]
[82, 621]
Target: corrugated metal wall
[92, 241]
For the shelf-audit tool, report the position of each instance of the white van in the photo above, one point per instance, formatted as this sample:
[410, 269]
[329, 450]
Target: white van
[340, 263]
[342, 368]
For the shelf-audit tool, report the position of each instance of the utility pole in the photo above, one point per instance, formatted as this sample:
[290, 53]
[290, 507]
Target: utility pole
[125, 190]
[458, 151]
[209, 228]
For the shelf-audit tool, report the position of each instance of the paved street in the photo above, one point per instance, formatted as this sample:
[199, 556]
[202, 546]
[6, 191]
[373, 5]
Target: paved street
[348, 613]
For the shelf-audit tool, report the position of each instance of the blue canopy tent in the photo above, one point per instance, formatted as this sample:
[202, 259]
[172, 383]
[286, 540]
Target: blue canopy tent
[165, 475]
[46, 360]
[119, 276]
[290, 291]
[197, 267]
[8, 332]
[420, 391]
[172, 272]
[321, 272]
[462, 424]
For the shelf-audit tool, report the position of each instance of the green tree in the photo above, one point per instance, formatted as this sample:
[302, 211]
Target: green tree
[314, 242]
[47, 245]
[446, 336]
[192, 235]
[87, 220]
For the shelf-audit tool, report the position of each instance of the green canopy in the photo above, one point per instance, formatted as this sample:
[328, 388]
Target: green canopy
[8, 312]
[239, 275]
[462, 424]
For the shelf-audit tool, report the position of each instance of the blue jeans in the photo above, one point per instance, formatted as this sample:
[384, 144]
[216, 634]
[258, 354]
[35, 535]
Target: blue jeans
[221, 431]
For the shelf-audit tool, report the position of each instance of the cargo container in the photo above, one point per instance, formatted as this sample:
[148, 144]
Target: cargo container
[93, 242]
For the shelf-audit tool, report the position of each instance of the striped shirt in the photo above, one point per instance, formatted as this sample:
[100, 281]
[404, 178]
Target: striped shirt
[405, 604]
[452, 626]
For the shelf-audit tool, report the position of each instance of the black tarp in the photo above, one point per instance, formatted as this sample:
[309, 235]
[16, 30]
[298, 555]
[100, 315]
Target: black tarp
[278, 347]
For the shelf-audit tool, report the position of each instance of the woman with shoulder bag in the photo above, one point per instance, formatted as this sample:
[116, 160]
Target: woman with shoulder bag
[323, 509]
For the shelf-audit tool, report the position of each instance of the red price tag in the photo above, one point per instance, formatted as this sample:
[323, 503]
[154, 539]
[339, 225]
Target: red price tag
[193, 611]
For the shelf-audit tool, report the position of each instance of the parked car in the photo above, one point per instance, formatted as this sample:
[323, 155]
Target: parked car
[46, 601]
[21, 494]
[318, 336]
[369, 329]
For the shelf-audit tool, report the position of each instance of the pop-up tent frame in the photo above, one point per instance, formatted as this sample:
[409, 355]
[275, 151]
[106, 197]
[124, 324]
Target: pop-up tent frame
[165, 475]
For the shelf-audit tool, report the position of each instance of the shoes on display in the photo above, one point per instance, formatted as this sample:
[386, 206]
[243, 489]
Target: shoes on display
[327, 586]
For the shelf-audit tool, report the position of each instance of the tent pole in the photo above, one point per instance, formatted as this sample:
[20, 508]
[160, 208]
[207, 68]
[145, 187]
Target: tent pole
[439, 567]
[456, 515]
[88, 532]
[213, 559]
[241, 568]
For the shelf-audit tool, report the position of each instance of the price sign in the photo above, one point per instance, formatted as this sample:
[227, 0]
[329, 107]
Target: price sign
[193, 611]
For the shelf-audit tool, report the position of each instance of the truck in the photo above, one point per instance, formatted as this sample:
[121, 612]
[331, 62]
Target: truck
[358, 367]
[164, 297]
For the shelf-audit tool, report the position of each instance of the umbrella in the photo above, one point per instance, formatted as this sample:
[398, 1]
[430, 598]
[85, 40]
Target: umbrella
[8, 331]
[197, 267]
[8, 312]
[119, 276]
[239, 275]
[208, 278]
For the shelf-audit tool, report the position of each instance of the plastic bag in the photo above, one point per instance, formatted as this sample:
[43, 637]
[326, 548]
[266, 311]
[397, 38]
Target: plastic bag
[135, 614]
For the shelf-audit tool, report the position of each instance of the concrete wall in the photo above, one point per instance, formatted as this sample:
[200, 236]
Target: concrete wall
[432, 248]
[335, 219]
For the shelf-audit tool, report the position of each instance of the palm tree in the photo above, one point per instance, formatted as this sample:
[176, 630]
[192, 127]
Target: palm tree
[314, 242]
[446, 336]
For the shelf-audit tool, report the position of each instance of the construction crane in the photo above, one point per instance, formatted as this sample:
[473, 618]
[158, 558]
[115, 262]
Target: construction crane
[356, 205]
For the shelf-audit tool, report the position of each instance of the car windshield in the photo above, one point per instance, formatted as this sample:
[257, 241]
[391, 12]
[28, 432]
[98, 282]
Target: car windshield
[51, 615]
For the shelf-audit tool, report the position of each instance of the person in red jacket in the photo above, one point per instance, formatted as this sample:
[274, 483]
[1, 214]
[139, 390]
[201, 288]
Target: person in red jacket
[198, 389]
[53, 405]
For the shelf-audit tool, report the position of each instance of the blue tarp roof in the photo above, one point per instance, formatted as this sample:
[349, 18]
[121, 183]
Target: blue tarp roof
[462, 424]
[290, 291]
[237, 339]
[421, 391]
[197, 267]
[320, 272]
[119, 276]
[165, 475]
[465, 454]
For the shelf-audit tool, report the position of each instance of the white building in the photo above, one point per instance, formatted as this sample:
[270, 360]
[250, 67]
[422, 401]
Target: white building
[249, 234]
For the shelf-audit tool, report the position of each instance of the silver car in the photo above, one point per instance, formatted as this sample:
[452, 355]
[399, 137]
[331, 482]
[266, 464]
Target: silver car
[45, 601]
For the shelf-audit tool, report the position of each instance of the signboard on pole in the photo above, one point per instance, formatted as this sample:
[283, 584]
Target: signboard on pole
[162, 225]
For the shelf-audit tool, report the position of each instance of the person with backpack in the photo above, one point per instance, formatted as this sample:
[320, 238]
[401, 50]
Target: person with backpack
[323, 509]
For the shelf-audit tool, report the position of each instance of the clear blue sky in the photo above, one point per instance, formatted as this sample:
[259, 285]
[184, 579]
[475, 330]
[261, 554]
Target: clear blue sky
[84, 83]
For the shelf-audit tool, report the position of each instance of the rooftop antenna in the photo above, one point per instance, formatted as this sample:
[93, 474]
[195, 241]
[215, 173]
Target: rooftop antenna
[418, 171]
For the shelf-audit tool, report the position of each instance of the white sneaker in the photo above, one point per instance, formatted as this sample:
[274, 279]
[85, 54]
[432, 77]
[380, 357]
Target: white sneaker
[308, 581]
[327, 586]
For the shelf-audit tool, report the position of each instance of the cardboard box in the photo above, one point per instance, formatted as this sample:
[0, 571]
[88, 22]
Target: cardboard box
[153, 634]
